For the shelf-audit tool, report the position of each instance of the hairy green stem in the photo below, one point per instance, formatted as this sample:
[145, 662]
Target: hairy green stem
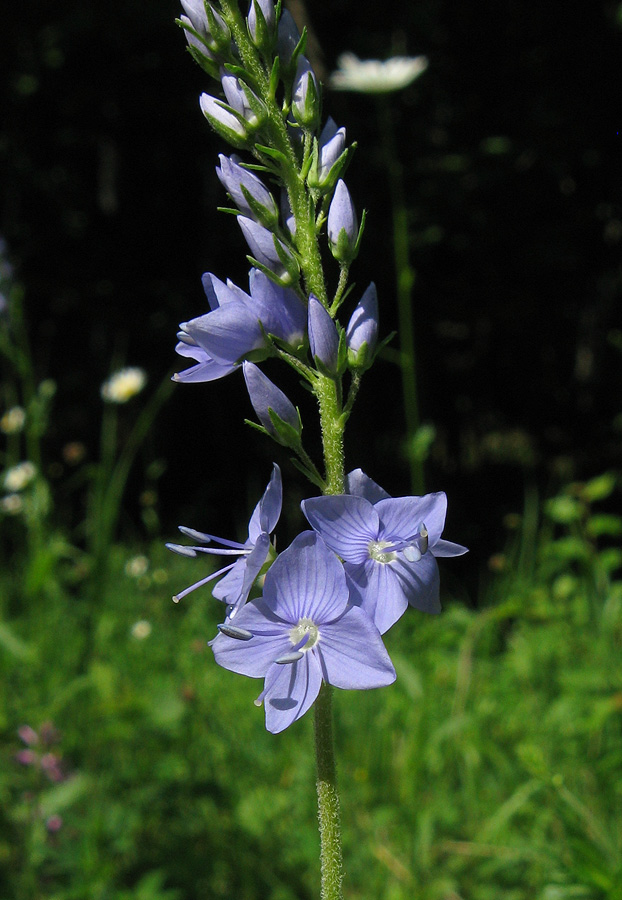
[332, 420]
[328, 799]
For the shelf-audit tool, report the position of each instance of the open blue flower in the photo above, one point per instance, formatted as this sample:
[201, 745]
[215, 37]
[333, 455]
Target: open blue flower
[301, 632]
[240, 575]
[388, 545]
[238, 325]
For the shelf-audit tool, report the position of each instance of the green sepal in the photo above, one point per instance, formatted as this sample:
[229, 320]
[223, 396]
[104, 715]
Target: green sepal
[265, 36]
[257, 427]
[344, 250]
[275, 75]
[220, 35]
[282, 282]
[362, 359]
[309, 117]
[337, 170]
[288, 70]
[208, 65]
[286, 434]
[232, 137]
[290, 263]
[257, 106]
[271, 153]
[361, 230]
[269, 219]
[342, 353]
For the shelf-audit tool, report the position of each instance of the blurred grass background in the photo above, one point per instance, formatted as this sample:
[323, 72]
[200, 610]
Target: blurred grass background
[130, 765]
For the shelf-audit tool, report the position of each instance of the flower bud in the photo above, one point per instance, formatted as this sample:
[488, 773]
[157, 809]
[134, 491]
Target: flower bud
[329, 159]
[245, 103]
[323, 338]
[305, 95]
[342, 225]
[288, 38]
[261, 20]
[247, 191]
[223, 122]
[268, 250]
[362, 331]
[210, 26]
[274, 410]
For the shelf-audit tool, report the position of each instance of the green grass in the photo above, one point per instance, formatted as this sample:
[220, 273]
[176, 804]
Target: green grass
[490, 769]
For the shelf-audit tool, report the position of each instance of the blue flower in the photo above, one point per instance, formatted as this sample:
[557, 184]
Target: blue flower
[240, 575]
[267, 398]
[247, 191]
[342, 225]
[301, 632]
[323, 338]
[362, 331]
[268, 250]
[388, 546]
[238, 325]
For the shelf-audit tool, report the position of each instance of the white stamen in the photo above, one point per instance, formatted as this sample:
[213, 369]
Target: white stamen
[304, 635]
[376, 551]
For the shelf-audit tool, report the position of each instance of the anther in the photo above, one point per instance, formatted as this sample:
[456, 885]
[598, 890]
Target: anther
[288, 658]
[232, 631]
[181, 550]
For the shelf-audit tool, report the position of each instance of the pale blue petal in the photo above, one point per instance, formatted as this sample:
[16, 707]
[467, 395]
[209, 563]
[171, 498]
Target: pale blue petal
[401, 517]
[361, 485]
[352, 653]
[231, 584]
[255, 657]
[228, 333]
[448, 548]
[289, 691]
[306, 581]
[347, 524]
[218, 293]
[266, 513]
[420, 582]
[376, 588]
[281, 311]
[207, 369]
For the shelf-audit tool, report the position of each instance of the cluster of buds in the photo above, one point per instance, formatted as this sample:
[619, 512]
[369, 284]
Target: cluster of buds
[365, 557]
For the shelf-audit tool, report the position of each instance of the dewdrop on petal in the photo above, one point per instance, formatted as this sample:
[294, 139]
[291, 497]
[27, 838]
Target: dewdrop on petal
[123, 385]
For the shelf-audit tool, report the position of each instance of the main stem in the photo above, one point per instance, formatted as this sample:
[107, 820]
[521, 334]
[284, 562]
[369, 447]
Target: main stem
[332, 422]
[331, 864]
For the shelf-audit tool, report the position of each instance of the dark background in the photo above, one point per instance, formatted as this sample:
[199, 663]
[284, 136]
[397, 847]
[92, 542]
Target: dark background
[511, 158]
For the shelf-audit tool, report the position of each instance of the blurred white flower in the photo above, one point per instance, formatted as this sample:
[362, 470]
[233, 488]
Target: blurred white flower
[137, 566]
[141, 629]
[18, 477]
[371, 76]
[12, 504]
[123, 385]
[13, 420]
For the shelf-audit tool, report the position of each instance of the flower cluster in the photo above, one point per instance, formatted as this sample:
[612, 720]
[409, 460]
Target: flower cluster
[315, 612]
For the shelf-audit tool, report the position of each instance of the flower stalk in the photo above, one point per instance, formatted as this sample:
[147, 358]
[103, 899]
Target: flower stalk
[319, 621]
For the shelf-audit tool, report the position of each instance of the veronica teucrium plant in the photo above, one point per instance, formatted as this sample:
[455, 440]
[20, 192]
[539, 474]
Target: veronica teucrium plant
[310, 618]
